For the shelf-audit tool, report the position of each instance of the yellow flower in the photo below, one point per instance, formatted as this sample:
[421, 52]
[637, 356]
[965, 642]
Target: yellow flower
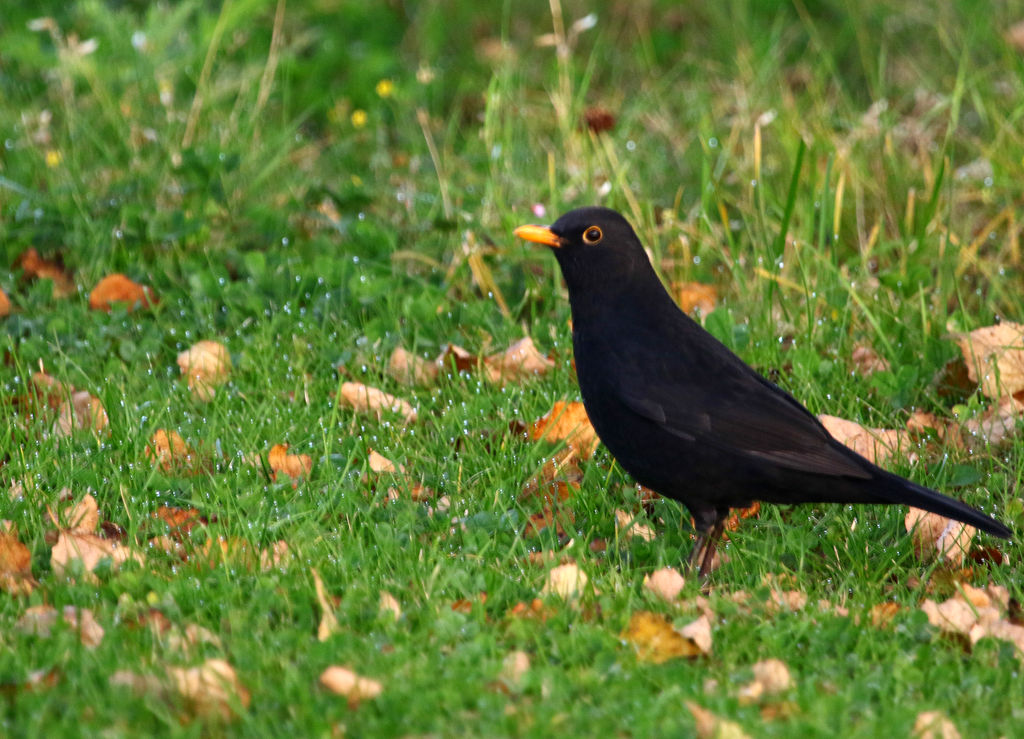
[358, 118]
[52, 158]
[385, 88]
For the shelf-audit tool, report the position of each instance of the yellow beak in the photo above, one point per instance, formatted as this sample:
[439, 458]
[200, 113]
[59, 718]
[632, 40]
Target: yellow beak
[540, 235]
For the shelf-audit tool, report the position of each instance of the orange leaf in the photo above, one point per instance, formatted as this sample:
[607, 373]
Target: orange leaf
[693, 296]
[5, 305]
[293, 465]
[117, 288]
[205, 365]
[15, 565]
[170, 451]
[366, 399]
[567, 421]
[37, 268]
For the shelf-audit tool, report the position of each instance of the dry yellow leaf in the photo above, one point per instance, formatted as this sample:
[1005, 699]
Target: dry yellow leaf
[934, 725]
[657, 641]
[343, 681]
[771, 676]
[937, 536]
[514, 667]
[389, 604]
[205, 366]
[213, 688]
[381, 464]
[366, 399]
[629, 527]
[566, 581]
[995, 358]
[666, 583]
[567, 421]
[328, 621]
[710, 726]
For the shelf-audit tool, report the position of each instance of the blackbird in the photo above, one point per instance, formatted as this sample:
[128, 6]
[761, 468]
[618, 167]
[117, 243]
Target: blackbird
[684, 415]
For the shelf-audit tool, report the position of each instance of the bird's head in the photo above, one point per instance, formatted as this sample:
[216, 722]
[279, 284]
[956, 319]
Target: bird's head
[596, 248]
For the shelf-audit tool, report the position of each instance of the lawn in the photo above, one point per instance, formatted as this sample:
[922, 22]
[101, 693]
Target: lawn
[315, 185]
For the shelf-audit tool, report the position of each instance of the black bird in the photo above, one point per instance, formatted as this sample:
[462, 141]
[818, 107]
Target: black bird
[684, 415]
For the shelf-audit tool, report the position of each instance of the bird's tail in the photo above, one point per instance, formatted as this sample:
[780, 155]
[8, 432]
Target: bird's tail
[896, 489]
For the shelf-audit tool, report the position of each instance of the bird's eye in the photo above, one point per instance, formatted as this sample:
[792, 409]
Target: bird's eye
[592, 235]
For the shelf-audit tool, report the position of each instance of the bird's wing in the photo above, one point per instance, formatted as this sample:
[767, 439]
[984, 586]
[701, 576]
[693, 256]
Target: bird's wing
[743, 414]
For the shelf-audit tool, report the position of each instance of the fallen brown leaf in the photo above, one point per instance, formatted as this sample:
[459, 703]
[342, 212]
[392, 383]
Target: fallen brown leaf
[567, 421]
[90, 550]
[867, 361]
[630, 527]
[711, 726]
[976, 613]
[599, 119]
[328, 621]
[169, 450]
[366, 399]
[381, 464]
[409, 369]
[937, 536]
[878, 445]
[514, 667]
[771, 676]
[296, 466]
[997, 423]
[40, 620]
[213, 688]
[205, 365]
[15, 565]
[35, 267]
[934, 725]
[883, 613]
[389, 604]
[695, 297]
[566, 581]
[657, 641]
[117, 288]
[81, 412]
[666, 583]
[521, 360]
[995, 358]
[345, 682]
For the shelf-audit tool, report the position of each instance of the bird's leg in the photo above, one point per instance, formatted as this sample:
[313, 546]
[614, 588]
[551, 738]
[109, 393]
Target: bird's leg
[710, 546]
[697, 553]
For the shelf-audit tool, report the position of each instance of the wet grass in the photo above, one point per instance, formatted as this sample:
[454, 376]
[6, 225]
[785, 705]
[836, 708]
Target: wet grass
[842, 175]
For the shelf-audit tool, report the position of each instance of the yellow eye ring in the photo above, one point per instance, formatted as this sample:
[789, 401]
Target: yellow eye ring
[592, 235]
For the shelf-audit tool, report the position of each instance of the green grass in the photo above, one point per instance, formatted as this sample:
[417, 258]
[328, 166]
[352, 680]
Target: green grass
[843, 175]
